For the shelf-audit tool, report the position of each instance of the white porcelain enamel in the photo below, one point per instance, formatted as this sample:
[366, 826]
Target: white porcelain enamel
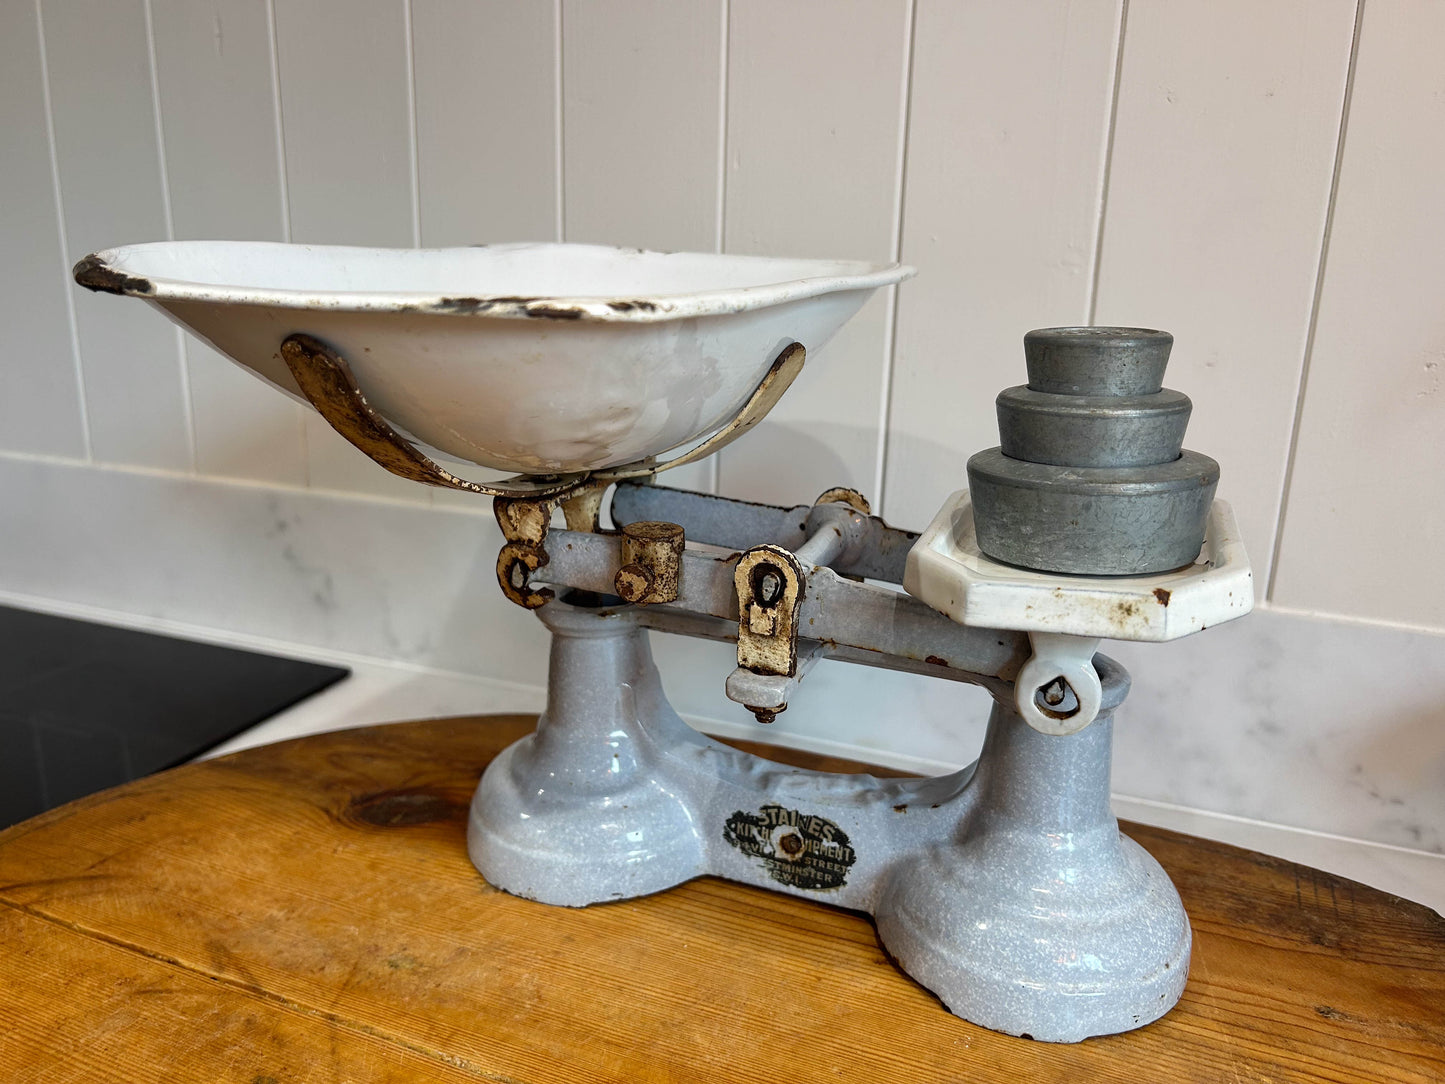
[947, 570]
[535, 358]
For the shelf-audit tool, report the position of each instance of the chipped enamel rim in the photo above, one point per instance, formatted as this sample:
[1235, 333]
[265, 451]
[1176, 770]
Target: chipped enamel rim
[132, 270]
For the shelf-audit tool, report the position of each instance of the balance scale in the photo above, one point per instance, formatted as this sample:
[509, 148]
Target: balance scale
[1005, 888]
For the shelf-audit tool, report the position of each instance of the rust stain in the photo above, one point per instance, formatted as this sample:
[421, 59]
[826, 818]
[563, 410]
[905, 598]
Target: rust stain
[523, 520]
[465, 305]
[632, 306]
[471, 305]
[901, 808]
[936, 660]
[93, 273]
[1162, 595]
[552, 312]
[536, 307]
[326, 380]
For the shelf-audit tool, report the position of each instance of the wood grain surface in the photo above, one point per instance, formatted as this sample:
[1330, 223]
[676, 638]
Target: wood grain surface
[306, 912]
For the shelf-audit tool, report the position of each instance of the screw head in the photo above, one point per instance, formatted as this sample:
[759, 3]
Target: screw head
[632, 583]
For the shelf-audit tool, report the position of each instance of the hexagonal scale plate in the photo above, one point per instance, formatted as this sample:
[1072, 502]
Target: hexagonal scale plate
[948, 571]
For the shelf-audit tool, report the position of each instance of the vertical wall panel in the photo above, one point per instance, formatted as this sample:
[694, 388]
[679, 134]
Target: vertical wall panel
[346, 118]
[218, 118]
[39, 394]
[486, 121]
[112, 194]
[1224, 150]
[813, 113]
[640, 131]
[1010, 113]
[486, 128]
[345, 110]
[640, 89]
[1365, 522]
[640, 122]
[814, 110]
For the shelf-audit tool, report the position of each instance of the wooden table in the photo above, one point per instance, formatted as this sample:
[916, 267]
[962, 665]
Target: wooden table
[306, 911]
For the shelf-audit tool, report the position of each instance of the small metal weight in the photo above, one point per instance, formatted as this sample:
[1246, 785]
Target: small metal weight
[1112, 361]
[1091, 477]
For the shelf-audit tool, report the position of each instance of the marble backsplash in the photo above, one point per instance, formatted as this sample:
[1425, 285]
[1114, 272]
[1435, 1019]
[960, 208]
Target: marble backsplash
[1297, 720]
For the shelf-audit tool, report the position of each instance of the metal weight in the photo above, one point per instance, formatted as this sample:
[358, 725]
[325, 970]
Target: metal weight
[1090, 477]
[1097, 360]
[1092, 430]
[1093, 521]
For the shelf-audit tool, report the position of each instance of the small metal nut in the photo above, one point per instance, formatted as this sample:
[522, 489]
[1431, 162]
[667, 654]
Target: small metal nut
[651, 569]
[632, 583]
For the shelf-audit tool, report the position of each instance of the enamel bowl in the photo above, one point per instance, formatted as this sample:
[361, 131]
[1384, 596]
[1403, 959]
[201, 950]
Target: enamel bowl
[530, 358]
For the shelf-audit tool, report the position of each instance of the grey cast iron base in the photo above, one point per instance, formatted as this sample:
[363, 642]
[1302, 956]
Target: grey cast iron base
[1005, 888]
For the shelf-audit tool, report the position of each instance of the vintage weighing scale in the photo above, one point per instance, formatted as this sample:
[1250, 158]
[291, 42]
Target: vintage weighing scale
[1006, 888]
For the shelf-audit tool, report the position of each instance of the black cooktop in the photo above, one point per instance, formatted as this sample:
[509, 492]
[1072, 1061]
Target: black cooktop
[85, 706]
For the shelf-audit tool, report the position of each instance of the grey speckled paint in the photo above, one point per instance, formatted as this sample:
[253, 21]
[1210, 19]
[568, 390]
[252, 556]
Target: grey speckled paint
[1005, 888]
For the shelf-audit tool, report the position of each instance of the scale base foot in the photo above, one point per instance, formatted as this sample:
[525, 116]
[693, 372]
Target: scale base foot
[1029, 955]
[1008, 891]
[577, 849]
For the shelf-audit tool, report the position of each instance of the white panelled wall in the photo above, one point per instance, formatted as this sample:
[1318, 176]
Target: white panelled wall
[1263, 180]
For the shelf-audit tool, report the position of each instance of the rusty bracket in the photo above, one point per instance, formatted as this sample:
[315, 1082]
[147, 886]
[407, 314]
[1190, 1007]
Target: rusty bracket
[769, 581]
[524, 525]
[326, 379]
[582, 507]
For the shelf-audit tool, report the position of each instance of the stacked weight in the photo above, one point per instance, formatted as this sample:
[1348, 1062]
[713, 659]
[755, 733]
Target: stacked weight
[1091, 477]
